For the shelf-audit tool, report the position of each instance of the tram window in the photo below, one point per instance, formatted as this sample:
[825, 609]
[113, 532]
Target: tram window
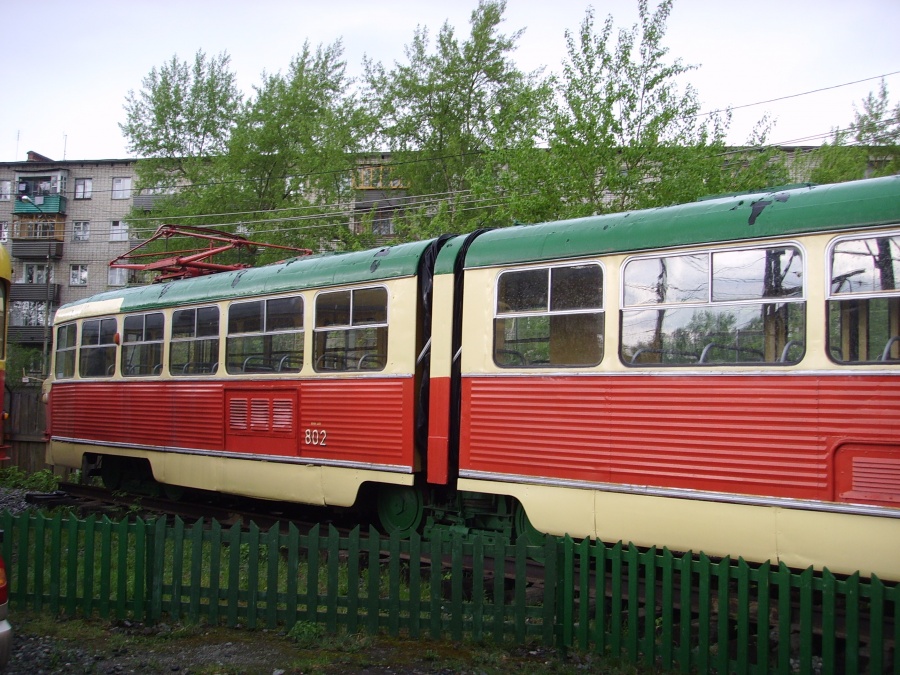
[551, 316]
[864, 300]
[97, 355]
[351, 330]
[66, 347]
[142, 345]
[194, 348]
[728, 307]
[265, 336]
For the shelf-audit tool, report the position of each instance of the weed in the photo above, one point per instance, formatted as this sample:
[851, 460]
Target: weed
[307, 634]
[13, 477]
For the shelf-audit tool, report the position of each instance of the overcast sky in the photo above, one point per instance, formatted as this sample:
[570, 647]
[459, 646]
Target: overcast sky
[70, 66]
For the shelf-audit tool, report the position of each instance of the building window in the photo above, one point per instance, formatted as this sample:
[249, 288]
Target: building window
[5, 190]
[4, 231]
[84, 188]
[36, 273]
[78, 275]
[42, 186]
[121, 188]
[29, 314]
[81, 230]
[117, 276]
[118, 230]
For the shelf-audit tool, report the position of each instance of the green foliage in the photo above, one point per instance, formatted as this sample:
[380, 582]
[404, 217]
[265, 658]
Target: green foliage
[869, 147]
[445, 111]
[22, 361]
[307, 634]
[474, 140]
[12, 477]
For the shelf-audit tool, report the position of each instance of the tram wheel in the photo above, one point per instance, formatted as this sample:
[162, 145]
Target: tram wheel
[112, 472]
[400, 509]
[523, 527]
[173, 493]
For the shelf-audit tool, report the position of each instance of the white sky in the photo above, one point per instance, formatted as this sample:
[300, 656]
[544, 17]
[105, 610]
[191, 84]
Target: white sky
[70, 66]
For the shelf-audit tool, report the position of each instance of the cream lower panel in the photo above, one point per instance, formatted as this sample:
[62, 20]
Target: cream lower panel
[844, 543]
[282, 481]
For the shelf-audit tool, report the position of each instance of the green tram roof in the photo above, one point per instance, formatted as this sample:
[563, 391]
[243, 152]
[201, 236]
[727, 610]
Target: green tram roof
[771, 213]
[296, 274]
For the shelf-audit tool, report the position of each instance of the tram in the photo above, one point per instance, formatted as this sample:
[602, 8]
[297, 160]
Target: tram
[721, 376]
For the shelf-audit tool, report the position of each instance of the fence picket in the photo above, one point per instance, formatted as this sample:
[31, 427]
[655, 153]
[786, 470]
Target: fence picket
[393, 624]
[87, 588]
[852, 613]
[273, 559]
[353, 580]
[105, 566]
[215, 570]
[122, 549]
[477, 587]
[415, 586]
[680, 612]
[373, 592]
[196, 539]
[649, 566]
[177, 531]
[39, 548]
[333, 548]
[456, 588]
[234, 574]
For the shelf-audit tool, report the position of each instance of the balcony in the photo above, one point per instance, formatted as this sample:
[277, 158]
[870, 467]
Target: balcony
[42, 204]
[35, 293]
[27, 335]
[37, 249]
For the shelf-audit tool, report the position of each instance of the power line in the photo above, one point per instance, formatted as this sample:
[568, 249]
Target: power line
[790, 96]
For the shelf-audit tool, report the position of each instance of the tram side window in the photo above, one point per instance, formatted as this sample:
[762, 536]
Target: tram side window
[351, 330]
[142, 345]
[97, 356]
[551, 316]
[265, 336]
[864, 300]
[66, 348]
[194, 349]
[728, 307]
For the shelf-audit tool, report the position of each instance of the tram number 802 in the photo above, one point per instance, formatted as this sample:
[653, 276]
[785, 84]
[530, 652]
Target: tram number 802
[316, 437]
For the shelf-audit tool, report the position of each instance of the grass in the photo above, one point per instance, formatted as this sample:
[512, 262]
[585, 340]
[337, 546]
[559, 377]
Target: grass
[213, 649]
[14, 478]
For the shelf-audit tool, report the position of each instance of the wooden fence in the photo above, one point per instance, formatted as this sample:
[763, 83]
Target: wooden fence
[678, 612]
[24, 430]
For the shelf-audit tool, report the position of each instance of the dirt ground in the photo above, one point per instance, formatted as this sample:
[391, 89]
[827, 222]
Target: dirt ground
[47, 645]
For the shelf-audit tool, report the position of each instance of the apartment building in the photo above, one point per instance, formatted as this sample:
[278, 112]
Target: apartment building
[62, 222]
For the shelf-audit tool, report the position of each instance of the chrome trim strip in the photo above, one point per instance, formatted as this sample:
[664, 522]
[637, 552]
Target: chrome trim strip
[277, 459]
[682, 493]
[673, 371]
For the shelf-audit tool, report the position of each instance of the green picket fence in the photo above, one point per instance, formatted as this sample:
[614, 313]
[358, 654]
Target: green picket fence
[679, 612]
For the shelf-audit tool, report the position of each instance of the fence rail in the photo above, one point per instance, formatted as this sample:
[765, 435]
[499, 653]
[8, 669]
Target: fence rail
[678, 612]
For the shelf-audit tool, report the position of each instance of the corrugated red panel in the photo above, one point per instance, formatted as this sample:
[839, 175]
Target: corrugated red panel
[170, 414]
[743, 434]
[364, 420]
